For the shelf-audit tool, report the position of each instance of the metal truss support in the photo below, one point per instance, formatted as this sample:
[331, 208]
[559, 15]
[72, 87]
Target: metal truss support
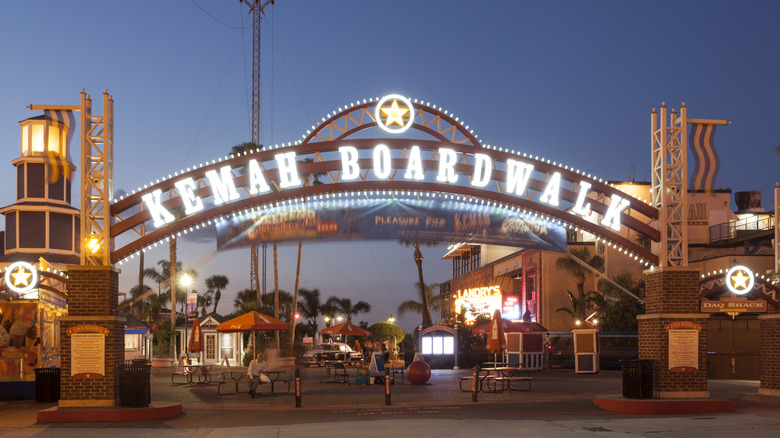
[97, 188]
[669, 191]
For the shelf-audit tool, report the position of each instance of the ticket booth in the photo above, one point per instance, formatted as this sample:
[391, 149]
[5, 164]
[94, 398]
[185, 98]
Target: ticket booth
[586, 347]
[525, 344]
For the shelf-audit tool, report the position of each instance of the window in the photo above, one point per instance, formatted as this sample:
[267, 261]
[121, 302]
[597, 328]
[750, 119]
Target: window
[530, 286]
[438, 345]
[131, 342]
[226, 343]
[211, 347]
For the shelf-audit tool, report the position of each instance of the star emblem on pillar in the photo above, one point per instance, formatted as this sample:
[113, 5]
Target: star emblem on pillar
[21, 277]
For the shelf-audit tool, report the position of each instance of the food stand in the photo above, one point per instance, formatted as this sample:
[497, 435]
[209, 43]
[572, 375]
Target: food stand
[29, 330]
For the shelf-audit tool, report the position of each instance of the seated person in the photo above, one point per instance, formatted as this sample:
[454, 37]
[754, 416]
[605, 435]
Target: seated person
[256, 375]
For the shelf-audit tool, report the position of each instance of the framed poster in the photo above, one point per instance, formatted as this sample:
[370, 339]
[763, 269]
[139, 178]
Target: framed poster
[683, 346]
[87, 351]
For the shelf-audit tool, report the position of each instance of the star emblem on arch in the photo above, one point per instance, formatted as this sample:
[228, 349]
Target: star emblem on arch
[394, 113]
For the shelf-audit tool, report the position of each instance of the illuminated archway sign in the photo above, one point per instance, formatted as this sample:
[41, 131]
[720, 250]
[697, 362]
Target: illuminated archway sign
[21, 277]
[740, 280]
[450, 167]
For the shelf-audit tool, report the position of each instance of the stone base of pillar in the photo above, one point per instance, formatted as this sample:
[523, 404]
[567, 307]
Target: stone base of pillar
[770, 354]
[682, 394]
[769, 392]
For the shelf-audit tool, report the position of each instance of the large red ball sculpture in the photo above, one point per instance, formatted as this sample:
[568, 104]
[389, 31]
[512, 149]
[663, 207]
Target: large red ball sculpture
[418, 372]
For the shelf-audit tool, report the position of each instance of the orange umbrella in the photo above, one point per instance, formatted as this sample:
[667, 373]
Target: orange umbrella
[252, 321]
[196, 337]
[496, 342]
[345, 328]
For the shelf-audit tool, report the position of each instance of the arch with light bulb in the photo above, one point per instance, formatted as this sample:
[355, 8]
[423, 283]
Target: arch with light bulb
[334, 159]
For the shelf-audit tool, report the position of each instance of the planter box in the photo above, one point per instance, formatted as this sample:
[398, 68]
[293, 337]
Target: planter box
[162, 362]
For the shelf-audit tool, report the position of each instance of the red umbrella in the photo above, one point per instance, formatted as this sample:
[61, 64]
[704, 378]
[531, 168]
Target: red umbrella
[345, 328]
[196, 337]
[496, 342]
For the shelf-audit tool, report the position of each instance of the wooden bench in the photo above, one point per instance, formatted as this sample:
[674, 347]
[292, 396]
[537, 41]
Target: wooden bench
[509, 380]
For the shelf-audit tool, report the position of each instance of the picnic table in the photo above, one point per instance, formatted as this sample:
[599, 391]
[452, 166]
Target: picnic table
[201, 372]
[498, 379]
[230, 378]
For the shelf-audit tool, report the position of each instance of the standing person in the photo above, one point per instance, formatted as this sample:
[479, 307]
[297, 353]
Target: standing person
[256, 375]
[367, 351]
[358, 348]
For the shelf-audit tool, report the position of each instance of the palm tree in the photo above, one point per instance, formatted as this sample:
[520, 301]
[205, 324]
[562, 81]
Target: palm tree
[583, 305]
[436, 302]
[329, 311]
[345, 306]
[570, 264]
[418, 258]
[215, 284]
[140, 307]
[246, 301]
[204, 301]
[309, 308]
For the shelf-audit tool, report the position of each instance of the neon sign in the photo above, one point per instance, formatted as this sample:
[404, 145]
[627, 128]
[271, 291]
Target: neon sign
[478, 301]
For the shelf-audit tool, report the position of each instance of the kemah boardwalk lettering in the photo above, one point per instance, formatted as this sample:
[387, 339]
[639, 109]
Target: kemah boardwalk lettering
[449, 186]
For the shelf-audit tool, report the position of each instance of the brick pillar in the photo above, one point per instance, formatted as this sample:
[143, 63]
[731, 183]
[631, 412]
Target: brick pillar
[92, 306]
[672, 296]
[770, 355]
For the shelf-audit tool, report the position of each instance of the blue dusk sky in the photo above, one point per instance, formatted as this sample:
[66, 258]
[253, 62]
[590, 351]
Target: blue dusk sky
[572, 81]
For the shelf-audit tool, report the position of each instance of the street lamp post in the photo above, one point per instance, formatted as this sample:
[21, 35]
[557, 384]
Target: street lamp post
[186, 281]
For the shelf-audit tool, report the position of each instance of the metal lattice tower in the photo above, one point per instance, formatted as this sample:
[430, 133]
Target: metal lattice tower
[669, 191]
[257, 9]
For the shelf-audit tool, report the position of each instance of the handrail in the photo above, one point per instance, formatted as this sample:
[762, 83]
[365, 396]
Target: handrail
[743, 227]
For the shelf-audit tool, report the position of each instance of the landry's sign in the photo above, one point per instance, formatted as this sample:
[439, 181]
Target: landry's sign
[396, 219]
[733, 305]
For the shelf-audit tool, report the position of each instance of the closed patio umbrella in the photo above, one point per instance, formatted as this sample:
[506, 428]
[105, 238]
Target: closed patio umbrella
[496, 342]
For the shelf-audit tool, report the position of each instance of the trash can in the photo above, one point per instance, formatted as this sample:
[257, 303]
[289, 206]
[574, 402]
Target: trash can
[637, 378]
[134, 385]
[47, 385]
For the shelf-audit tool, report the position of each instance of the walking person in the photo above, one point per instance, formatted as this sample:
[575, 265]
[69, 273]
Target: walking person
[256, 374]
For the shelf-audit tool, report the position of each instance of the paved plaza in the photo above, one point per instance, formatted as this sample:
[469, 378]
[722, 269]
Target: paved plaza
[560, 405]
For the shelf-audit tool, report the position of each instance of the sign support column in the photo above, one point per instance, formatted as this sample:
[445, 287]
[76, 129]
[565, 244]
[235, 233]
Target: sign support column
[91, 338]
[672, 316]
